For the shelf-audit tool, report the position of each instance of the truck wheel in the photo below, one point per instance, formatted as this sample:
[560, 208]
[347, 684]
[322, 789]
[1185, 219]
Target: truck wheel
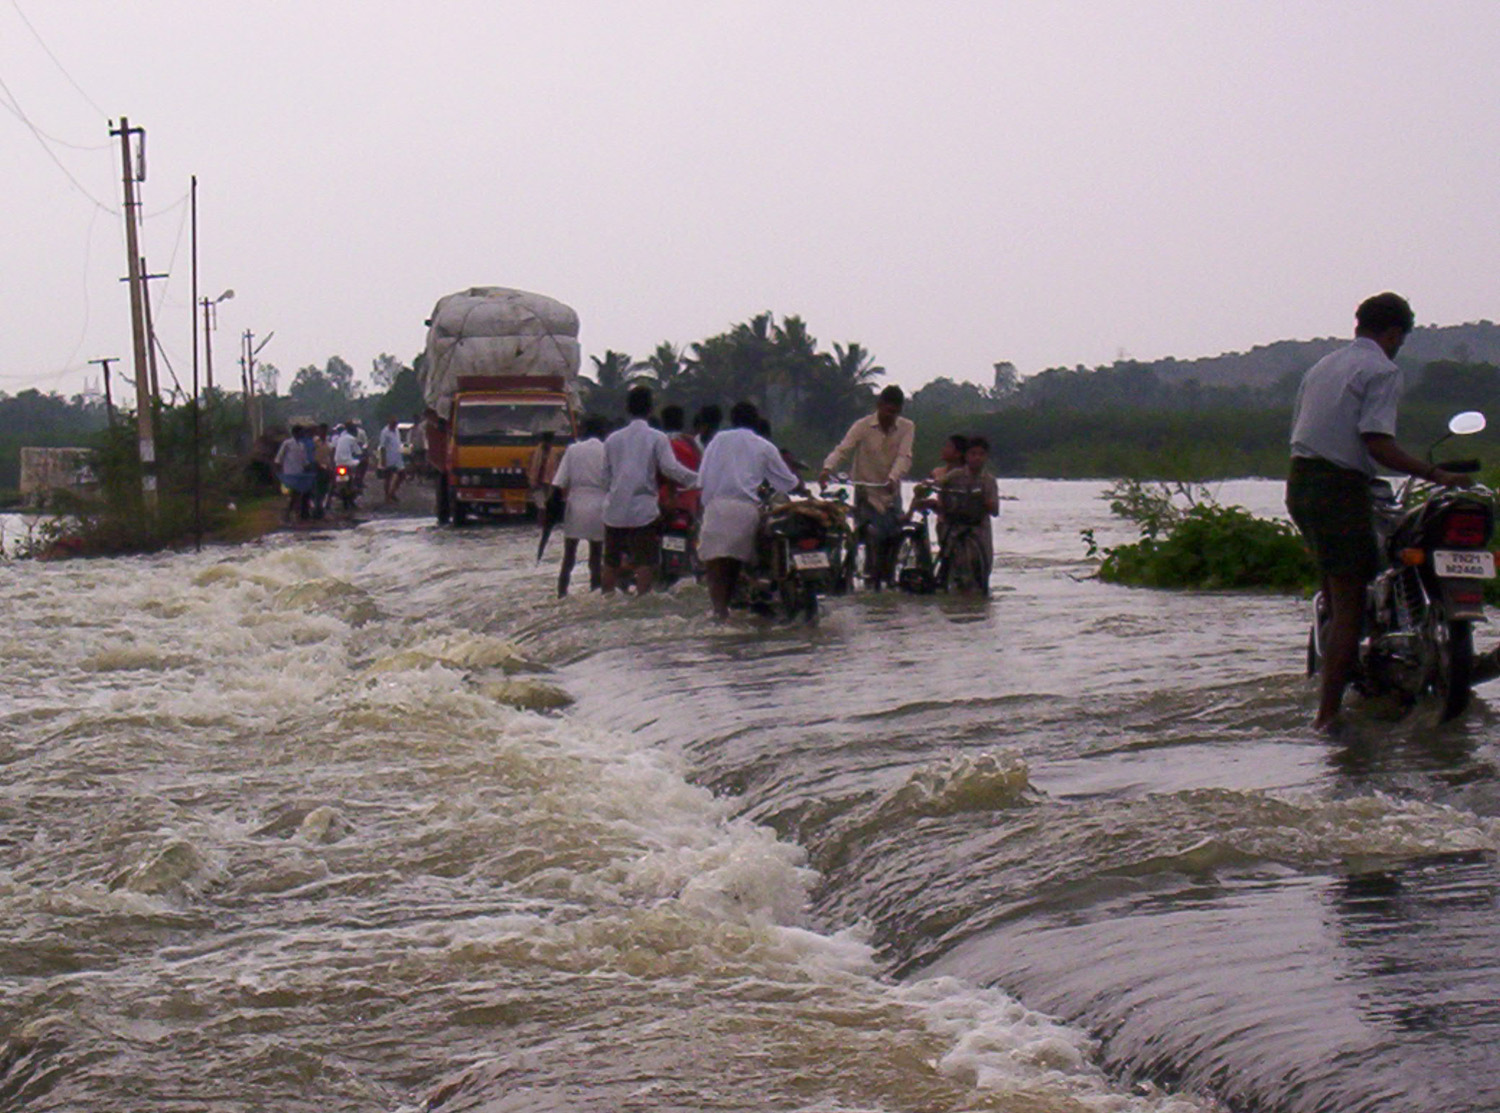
[460, 512]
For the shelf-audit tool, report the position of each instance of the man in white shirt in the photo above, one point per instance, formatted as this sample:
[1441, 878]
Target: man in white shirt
[634, 457]
[1344, 425]
[346, 451]
[881, 449]
[392, 461]
[735, 464]
[580, 478]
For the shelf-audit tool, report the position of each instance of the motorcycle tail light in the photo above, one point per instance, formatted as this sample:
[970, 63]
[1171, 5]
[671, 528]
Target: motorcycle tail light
[1467, 598]
[1465, 527]
[343, 471]
[1412, 557]
[809, 543]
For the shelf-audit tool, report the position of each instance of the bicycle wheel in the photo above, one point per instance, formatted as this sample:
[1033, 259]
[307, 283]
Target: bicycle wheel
[968, 564]
[912, 570]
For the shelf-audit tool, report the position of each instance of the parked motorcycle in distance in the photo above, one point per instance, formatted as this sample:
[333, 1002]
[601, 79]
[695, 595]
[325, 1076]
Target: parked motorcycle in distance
[800, 557]
[1421, 607]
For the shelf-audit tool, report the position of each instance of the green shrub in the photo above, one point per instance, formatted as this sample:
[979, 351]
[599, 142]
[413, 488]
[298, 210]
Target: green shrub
[1202, 545]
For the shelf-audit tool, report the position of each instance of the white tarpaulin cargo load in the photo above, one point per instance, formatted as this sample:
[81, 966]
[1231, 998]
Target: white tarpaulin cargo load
[492, 330]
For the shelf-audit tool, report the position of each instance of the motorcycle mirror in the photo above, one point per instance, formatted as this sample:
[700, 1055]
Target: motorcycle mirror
[1466, 423]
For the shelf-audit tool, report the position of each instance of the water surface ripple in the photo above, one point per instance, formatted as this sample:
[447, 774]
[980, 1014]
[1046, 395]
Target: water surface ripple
[305, 826]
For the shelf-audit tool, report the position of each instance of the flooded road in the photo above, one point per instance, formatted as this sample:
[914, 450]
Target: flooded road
[283, 828]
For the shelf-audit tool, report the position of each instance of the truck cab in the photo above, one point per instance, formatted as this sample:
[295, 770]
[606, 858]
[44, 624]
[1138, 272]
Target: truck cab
[495, 424]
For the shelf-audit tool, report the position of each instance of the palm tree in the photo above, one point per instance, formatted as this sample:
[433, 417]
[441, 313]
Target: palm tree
[613, 373]
[667, 367]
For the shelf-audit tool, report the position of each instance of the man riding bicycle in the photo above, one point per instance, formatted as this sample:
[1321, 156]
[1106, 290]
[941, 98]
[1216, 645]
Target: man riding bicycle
[968, 498]
[881, 448]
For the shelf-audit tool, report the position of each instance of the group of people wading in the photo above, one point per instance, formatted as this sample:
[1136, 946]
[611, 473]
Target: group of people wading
[615, 490]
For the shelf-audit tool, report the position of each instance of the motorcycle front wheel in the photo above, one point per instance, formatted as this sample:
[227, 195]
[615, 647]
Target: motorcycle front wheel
[1454, 676]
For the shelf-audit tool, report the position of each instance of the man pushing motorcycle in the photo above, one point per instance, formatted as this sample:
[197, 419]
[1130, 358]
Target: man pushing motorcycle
[1343, 427]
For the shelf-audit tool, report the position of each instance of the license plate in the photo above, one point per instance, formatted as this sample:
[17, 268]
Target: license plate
[1468, 564]
[807, 562]
[674, 544]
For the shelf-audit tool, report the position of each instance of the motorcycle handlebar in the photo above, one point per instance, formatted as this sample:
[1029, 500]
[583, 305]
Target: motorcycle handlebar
[1460, 467]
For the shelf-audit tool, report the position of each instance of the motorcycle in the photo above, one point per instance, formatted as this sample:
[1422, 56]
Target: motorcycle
[678, 553]
[1420, 609]
[345, 486]
[801, 552]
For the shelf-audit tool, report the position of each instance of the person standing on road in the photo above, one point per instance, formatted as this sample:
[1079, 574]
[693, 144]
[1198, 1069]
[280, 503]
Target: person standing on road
[1344, 426]
[735, 464]
[881, 448]
[635, 458]
[392, 460]
[580, 479]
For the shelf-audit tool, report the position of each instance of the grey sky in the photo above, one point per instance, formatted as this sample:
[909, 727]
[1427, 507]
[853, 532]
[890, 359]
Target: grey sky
[949, 184]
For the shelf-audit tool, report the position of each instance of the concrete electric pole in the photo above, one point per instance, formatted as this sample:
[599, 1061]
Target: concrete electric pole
[144, 425]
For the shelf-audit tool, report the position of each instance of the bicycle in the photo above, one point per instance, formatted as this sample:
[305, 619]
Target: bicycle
[860, 543]
[914, 569]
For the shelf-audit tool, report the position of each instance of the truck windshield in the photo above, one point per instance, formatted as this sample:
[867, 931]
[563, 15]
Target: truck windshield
[510, 422]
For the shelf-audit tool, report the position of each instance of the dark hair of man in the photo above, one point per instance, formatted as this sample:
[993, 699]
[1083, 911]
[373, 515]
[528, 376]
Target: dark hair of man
[708, 417]
[638, 401]
[744, 415]
[763, 427]
[297, 430]
[978, 442]
[959, 442]
[595, 426]
[1384, 311]
[671, 419]
[892, 395]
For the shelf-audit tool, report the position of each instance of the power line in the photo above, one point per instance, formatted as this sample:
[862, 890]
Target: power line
[15, 107]
[61, 68]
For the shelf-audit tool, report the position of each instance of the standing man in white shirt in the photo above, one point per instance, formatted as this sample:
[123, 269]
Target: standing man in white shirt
[735, 464]
[1345, 425]
[580, 478]
[881, 449]
[634, 459]
[392, 461]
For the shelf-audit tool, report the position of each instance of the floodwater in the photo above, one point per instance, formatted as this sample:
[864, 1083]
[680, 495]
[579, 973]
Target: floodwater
[304, 826]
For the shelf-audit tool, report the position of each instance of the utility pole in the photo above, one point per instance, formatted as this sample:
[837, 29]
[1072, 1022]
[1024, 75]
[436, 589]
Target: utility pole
[210, 325]
[252, 349]
[144, 278]
[109, 402]
[144, 425]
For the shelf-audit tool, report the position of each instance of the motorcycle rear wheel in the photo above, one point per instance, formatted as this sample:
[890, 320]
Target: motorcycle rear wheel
[797, 598]
[1453, 680]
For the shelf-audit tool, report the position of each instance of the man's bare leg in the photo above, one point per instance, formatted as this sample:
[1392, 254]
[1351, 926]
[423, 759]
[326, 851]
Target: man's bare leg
[1346, 600]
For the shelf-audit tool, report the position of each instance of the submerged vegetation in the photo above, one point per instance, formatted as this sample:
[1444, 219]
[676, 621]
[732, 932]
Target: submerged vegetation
[1189, 541]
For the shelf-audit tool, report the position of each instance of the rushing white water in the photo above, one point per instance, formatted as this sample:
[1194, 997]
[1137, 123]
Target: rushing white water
[315, 824]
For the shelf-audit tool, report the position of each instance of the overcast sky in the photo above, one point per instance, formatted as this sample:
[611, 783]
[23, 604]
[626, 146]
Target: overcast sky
[949, 184]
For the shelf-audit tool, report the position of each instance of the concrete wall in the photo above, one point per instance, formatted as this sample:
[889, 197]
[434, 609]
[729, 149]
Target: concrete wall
[44, 470]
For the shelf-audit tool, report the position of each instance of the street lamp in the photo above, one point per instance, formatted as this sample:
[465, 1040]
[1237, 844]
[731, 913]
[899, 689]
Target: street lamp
[210, 319]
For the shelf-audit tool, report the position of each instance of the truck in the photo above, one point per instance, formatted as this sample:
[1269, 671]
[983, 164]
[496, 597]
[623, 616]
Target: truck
[501, 367]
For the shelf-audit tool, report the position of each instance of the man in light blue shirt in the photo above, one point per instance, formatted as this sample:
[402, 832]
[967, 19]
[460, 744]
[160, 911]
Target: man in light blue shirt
[1344, 425]
[634, 457]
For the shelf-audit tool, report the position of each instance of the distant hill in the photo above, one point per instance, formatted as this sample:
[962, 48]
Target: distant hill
[1268, 366]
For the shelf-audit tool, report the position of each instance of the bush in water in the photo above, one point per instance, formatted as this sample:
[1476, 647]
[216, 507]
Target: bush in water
[1203, 545]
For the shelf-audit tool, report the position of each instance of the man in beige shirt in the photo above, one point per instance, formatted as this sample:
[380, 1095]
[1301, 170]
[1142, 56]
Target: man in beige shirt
[881, 449]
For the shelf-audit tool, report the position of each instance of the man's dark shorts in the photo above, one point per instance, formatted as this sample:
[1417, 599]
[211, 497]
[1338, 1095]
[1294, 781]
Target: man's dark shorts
[641, 545]
[1331, 506]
